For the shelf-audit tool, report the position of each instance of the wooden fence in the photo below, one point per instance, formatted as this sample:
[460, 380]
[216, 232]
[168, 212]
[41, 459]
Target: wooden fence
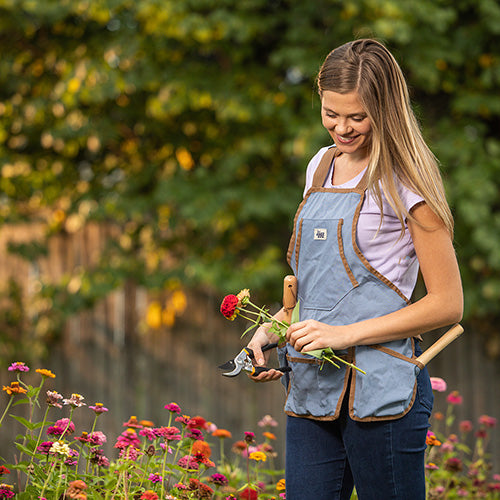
[104, 356]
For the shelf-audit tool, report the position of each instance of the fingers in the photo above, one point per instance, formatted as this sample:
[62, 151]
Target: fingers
[304, 336]
[267, 376]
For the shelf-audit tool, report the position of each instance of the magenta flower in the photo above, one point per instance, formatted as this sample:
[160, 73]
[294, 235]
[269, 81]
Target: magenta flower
[72, 458]
[218, 479]
[97, 457]
[195, 434]
[45, 447]
[5, 491]
[130, 453]
[249, 437]
[173, 407]
[438, 384]
[454, 398]
[155, 478]
[64, 425]
[18, 366]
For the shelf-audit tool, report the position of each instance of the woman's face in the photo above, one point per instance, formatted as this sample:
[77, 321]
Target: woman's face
[347, 122]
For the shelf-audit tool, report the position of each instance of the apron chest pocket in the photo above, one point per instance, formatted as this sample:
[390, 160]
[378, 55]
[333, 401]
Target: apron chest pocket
[321, 253]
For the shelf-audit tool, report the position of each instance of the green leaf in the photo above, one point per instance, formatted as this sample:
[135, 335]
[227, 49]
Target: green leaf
[29, 425]
[296, 313]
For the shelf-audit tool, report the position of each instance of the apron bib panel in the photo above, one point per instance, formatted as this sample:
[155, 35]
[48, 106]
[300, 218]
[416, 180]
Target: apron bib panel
[337, 286]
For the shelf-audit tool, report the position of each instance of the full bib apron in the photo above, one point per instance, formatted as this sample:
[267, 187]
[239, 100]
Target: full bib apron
[337, 286]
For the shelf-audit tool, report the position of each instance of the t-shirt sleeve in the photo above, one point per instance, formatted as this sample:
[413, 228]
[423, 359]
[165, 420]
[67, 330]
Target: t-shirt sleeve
[409, 198]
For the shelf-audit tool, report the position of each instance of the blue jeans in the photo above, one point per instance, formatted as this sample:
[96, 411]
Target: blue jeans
[383, 460]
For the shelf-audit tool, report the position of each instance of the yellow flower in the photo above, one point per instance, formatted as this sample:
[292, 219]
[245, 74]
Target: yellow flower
[258, 456]
[45, 373]
[281, 485]
[243, 296]
[153, 315]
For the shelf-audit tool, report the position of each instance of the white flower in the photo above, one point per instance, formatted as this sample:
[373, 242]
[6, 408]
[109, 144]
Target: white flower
[61, 448]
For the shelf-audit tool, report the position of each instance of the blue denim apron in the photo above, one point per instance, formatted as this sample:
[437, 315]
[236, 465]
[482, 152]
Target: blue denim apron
[337, 286]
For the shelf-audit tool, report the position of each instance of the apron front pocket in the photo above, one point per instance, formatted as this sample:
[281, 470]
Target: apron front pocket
[323, 272]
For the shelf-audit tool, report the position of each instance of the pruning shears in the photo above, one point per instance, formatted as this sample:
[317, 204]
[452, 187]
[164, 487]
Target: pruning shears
[244, 360]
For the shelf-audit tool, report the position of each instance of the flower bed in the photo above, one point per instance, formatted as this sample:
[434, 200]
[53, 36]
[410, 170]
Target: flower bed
[55, 460]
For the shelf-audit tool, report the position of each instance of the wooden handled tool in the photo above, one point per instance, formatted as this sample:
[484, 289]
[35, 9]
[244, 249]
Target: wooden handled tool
[289, 296]
[453, 333]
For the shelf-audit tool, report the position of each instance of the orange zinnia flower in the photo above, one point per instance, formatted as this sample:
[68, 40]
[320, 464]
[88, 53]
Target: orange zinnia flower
[45, 373]
[222, 433]
[202, 447]
[269, 435]
[14, 388]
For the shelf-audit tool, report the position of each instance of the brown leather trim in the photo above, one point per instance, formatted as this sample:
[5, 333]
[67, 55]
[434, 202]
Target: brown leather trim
[396, 354]
[324, 166]
[382, 418]
[354, 281]
[363, 259]
[293, 243]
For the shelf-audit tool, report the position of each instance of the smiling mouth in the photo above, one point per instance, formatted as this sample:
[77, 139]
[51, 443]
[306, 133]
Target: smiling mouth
[346, 140]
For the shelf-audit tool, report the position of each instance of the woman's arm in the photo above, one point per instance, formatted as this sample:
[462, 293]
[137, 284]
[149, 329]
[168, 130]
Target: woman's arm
[442, 305]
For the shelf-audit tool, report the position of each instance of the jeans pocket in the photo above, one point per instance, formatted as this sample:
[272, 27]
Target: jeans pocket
[424, 390]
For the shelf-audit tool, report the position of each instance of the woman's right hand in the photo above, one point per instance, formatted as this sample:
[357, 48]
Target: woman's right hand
[259, 340]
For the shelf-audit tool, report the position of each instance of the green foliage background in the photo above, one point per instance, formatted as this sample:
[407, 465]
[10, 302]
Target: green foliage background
[188, 124]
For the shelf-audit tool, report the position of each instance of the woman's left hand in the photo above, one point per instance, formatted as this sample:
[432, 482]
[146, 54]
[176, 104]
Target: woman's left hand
[310, 335]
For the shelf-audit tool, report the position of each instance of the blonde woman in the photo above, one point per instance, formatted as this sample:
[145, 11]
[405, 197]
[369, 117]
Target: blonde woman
[374, 212]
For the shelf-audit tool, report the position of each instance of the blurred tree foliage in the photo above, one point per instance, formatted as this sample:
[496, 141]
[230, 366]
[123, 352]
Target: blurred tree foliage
[188, 124]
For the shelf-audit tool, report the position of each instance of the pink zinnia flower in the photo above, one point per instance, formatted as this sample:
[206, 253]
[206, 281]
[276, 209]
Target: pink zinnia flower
[155, 478]
[267, 421]
[97, 438]
[45, 447]
[249, 437]
[148, 433]
[62, 426]
[128, 438]
[173, 407]
[18, 366]
[487, 421]
[188, 462]
[454, 398]
[465, 426]
[438, 384]
[218, 479]
[195, 434]
[5, 491]
[98, 408]
[53, 399]
[168, 433]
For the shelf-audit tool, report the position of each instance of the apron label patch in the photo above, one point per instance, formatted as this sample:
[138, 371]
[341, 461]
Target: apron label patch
[320, 233]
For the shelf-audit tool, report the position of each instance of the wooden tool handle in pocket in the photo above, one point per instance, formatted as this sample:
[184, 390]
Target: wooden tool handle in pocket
[289, 296]
[453, 333]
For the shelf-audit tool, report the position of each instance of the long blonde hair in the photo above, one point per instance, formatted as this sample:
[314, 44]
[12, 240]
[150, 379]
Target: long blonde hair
[398, 150]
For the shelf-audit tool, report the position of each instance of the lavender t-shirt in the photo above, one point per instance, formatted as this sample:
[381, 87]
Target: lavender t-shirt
[390, 255]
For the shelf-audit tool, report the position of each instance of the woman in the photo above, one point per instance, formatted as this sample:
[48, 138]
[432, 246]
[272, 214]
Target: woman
[374, 211]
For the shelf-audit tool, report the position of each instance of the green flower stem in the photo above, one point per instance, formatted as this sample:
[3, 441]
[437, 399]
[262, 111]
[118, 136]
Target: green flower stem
[11, 397]
[49, 474]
